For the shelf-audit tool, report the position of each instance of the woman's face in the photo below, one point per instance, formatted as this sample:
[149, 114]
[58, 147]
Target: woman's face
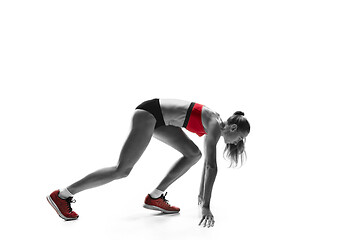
[232, 136]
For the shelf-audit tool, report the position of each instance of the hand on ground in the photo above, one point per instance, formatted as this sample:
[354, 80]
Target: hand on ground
[207, 219]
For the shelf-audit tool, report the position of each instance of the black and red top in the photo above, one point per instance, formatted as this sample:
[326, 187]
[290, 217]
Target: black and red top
[193, 122]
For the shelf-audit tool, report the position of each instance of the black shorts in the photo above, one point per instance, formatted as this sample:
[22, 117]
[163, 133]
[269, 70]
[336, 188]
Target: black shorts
[153, 107]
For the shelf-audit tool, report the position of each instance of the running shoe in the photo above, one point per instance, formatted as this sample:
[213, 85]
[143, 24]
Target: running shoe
[62, 206]
[160, 204]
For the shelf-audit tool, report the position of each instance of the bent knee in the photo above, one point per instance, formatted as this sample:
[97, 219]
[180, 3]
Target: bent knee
[198, 155]
[195, 155]
[122, 173]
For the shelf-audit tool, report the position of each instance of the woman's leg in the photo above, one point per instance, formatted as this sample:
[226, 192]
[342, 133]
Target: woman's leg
[176, 138]
[142, 129]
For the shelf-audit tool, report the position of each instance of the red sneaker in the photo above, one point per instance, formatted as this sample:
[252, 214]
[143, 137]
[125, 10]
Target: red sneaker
[160, 204]
[62, 206]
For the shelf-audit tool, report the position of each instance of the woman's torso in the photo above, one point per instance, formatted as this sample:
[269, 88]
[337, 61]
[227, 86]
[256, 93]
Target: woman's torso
[174, 112]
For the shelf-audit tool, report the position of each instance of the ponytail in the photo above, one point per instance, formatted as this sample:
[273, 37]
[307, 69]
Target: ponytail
[235, 153]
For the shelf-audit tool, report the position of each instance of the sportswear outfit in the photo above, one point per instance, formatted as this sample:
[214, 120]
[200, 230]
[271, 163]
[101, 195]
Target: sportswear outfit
[192, 123]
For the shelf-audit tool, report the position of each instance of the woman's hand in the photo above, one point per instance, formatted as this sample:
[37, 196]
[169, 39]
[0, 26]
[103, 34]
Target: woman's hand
[207, 218]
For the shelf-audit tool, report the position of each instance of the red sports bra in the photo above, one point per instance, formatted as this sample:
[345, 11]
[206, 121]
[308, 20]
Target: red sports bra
[194, 122]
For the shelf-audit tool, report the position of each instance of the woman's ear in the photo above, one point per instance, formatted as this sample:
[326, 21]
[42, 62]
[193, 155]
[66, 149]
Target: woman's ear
[233, 127]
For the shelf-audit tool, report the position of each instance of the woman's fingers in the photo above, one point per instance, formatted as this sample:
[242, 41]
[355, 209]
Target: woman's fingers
[202, 220]
[211, 222]
[205, 222]
[208, 221]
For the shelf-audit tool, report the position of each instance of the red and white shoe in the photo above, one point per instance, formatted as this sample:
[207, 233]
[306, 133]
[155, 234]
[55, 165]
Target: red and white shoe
[160, 204]
[62, 206]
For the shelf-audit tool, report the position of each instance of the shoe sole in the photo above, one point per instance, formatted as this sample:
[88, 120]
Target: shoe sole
[52, 203]
[151, 207]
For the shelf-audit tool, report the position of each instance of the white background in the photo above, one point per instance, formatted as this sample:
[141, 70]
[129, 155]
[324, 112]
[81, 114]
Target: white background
[72, 73]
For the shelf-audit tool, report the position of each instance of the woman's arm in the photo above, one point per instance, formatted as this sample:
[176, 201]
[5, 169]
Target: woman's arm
[209, 172]
[201, 190]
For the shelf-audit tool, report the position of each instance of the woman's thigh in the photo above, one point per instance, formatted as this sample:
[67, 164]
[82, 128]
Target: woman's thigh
[142, 129]
[176, 138]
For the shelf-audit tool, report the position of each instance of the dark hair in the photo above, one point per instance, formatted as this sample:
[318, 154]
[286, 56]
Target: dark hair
[234, 152]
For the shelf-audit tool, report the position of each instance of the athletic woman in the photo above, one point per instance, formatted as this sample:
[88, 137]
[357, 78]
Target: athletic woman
[164, 119]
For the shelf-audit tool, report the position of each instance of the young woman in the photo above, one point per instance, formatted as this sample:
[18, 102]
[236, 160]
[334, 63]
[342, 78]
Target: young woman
[164, 119]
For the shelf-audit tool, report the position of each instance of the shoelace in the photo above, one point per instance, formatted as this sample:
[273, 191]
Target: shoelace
[163, 198]
[70, 200]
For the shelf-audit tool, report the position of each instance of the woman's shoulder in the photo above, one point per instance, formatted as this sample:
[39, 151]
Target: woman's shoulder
[211, 121]
[210, 115]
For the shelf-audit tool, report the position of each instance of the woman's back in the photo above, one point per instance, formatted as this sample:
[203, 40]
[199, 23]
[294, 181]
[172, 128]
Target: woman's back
[174, 111]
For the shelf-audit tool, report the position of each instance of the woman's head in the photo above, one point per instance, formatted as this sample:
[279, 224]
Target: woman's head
[235, 131]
